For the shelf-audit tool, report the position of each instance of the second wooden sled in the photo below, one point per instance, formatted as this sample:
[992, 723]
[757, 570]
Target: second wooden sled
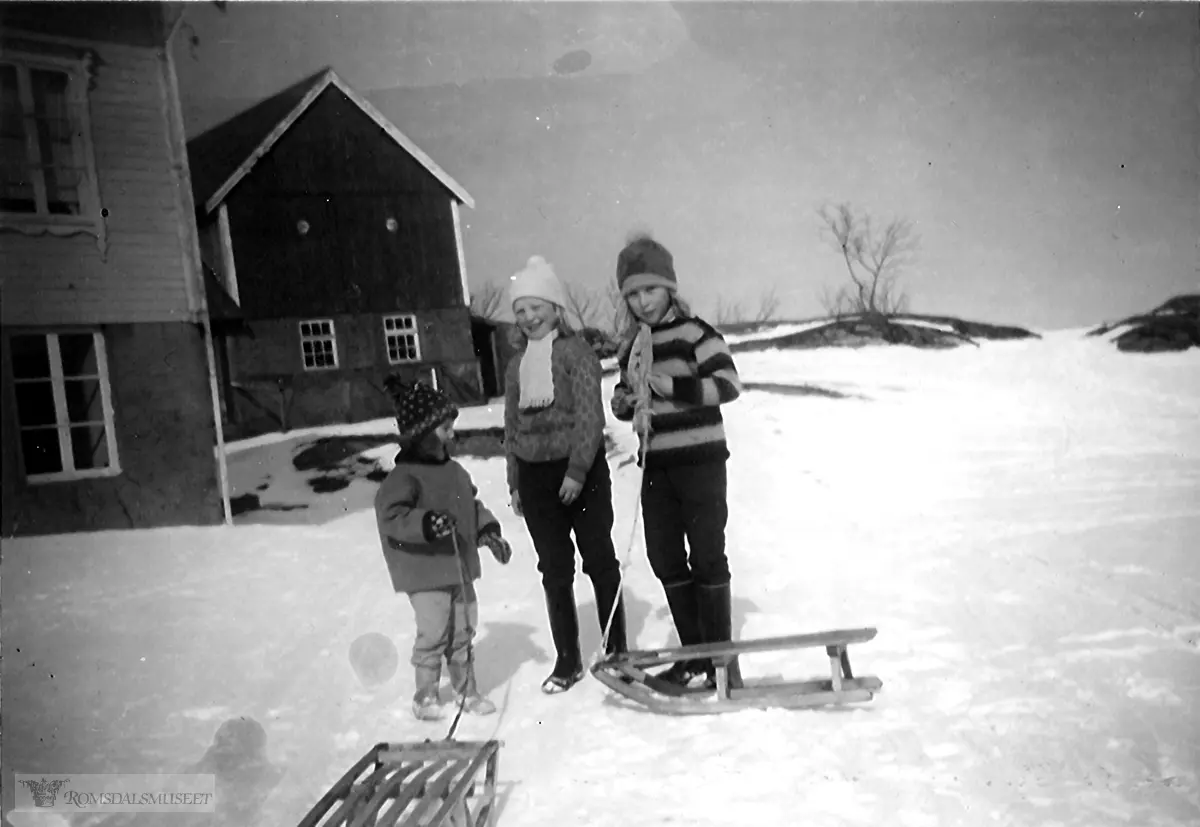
[626, 675]
[430, 784]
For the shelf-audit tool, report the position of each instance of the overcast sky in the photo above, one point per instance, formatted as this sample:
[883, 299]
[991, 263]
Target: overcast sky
[1047, 154]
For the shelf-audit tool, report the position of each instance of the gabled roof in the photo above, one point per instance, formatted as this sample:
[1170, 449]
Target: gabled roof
[225, 154]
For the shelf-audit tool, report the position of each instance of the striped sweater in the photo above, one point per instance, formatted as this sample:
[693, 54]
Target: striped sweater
[686, 428]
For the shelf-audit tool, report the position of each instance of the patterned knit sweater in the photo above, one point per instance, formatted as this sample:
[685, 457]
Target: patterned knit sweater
[572, 427]
[686, 427]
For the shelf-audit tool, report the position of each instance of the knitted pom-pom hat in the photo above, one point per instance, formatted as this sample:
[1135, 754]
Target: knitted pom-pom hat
[419, 408]
[645, 263]
[537, 280]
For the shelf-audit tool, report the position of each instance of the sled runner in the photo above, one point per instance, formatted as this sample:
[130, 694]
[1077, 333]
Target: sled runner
[431, 784]
[626, 675]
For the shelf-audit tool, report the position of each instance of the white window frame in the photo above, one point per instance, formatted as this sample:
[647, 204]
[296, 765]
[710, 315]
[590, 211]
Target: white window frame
[62, 421]
[322, 337]
[91, 221]
[409, 330]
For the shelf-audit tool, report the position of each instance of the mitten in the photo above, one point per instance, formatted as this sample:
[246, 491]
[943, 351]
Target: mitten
[622, 403]
[437, 525]
[500, 548]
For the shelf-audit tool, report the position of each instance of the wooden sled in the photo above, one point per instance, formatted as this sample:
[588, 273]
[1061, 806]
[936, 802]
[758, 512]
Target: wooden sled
[431, 784]
[626, 675]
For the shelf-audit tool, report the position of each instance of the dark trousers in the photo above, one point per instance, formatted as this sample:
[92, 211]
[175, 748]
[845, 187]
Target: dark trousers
[686, 501]
[550, 523]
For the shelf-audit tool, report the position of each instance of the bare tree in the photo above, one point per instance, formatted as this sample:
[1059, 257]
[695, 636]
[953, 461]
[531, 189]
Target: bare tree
[874, 259]
[615, 308]
[768, 305]
[727, 313]
[582, 306]
[486, 301]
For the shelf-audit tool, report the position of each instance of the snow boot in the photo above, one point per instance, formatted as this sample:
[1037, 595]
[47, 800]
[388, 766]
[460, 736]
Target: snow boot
[466, 691]
[564, 629]
[716, 620]
[428, 708]
[608, 592]
[684, 602]
[426, 705]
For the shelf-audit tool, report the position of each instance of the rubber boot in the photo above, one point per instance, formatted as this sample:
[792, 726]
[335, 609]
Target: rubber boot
[608, 592]
[426, 704]
[683, 601]
[716, 618]
[564, 630]
[466, 690]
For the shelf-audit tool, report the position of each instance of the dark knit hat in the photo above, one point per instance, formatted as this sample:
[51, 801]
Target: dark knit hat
[419, 407]
[645, 263]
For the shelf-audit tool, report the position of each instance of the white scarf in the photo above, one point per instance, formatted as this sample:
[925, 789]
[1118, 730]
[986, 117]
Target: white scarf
[536, 376]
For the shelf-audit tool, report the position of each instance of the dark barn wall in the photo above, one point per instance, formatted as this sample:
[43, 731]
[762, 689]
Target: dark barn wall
[165, 440]
[353, 392]
[342, 174]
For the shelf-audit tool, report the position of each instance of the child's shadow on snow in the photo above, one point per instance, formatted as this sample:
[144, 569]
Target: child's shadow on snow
[502, 650]
[244, 777]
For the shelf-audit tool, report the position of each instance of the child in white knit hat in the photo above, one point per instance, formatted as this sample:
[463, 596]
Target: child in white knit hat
[558, 475]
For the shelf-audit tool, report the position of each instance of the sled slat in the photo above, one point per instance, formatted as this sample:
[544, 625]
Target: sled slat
[818, 686]
[457, 797]
[341, 787]
[428, 794]
[361, 792]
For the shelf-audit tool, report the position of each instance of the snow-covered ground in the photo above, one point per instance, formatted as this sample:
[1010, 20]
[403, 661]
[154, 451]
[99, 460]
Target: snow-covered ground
[1019, 521]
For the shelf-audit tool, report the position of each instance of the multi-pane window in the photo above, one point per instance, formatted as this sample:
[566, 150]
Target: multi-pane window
[44, 171]
[403, 343]
[64, 405]
[318, 344]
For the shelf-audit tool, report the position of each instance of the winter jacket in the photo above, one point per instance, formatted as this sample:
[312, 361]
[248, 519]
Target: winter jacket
[415, 487]
[686, 427]
[572, 427]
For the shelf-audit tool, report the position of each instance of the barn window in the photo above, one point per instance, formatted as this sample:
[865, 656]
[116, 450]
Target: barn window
[47, 162]
[403, 342]
[318, 344]
[64, 406]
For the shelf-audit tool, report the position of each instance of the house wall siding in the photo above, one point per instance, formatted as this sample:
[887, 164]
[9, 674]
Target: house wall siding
[162, 410]
[51, 280]
[341, 173]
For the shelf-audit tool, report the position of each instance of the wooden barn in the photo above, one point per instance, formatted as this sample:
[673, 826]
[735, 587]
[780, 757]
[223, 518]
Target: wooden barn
[338, 243]
[108, 377]
[496, 344]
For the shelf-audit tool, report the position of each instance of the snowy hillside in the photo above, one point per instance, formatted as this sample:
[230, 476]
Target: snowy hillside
[1018, 520]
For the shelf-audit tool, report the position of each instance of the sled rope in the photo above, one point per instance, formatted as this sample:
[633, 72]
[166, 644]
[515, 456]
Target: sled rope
[462, 691]
[628, 557]
[641, 355]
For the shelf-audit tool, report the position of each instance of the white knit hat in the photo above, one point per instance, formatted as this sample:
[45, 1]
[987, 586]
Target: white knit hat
[537, 281]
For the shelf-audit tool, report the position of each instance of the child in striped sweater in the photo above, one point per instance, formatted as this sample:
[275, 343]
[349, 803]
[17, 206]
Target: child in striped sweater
[675, 405]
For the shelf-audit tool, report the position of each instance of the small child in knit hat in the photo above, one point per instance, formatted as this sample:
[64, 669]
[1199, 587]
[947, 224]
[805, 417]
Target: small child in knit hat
[431, 526]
